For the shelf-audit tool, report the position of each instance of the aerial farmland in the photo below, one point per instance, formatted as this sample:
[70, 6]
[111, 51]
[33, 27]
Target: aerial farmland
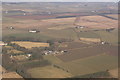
[61, 40]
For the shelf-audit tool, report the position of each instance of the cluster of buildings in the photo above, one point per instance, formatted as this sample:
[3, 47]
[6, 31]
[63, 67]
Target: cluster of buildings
[54, 52]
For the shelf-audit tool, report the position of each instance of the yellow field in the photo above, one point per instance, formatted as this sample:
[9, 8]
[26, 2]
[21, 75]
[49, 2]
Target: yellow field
[29, 45]
[114, 73]
[90, 39]
[11, 75]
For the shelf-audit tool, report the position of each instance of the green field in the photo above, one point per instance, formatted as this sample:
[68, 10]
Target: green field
[25, 34]
[111, 37]
[65, 33]
[86, 65]
[89, 34]
[48, 72]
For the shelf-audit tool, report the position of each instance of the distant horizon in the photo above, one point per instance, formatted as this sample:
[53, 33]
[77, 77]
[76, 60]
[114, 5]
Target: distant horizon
[60, 0]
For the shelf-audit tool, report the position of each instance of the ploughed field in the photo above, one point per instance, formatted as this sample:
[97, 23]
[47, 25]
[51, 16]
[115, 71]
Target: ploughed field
[87, 51]
[88, 65]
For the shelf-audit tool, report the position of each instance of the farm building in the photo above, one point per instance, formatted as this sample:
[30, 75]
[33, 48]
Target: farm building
[109, 29]
[24, 14]
[80, 27]
[29, 55]
[11, 27]
[47, 52]
[96, 40]
[104, 42]
[33, 31]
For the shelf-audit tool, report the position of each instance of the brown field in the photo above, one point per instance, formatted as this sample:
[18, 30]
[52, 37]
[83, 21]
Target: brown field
[88, 21]
[97, 22]
[30, 44]
[80, 53]
[71, 45]
[39, 24]
[111, 50]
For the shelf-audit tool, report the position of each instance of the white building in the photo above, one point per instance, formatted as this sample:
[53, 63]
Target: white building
[80, 27]
[32, 31]
[29, 55]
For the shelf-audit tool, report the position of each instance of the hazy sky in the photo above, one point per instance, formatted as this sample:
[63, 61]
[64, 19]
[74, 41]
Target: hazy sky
[60, 0]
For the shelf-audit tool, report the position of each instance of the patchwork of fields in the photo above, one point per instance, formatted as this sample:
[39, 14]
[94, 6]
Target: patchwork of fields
[80, 57]
[84, 66]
